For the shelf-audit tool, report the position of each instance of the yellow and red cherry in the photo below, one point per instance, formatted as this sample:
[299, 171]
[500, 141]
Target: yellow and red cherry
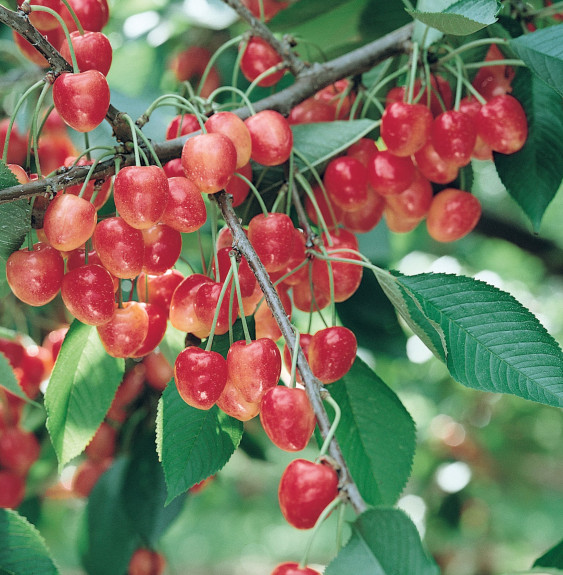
[272, 237]
[102, 445]
[232, 402]
[182, 312]
[235, 129]
[366, 218]
[237, 187]
[146, 562]
[259, 56]
[158, 322]
[415, 201]
[266, 325]
[182, 126]
[293, 568]
[92, 49]
[433, 167]
[12, 489]
[345, 180]
[162, 248]
[405, 128]
[205, 304]
[332, 352]
[272, 138]
[19, 450]
[158, 289]
[453, 136]
[126, 331]
[185, 210]
[389, 174]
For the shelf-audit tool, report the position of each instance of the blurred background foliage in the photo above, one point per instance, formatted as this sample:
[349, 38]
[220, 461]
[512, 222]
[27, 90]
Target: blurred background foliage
[487, 484]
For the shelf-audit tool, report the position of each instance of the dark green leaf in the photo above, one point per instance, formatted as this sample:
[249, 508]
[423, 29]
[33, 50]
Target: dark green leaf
[303, 12]
[80, 391]
[543, 53]
[461, 18]
[551, 558]
[22, 549]
[493, 342]
[9, 381]
[379, 18]
[379, 461]
[383, 542]
[533, 175]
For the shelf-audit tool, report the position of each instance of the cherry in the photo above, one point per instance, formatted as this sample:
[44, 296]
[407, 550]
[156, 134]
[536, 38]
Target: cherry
[185, 210]
[17, 148]
[36, 364]
[366, 218]
[54, 340]
[13, 350]
[338, 96]
[439, 87]
[310, 111]
[272, 139]
[235, 129]
[233, 403]
[88, 294]
[19, 173]
[293, 568]
[44, 21]
[12, 489]
[266, 325]
[259, 56]
[182, 311]
[362, 150]
[414, 202]
[146, 562]
[433, 167]
[272, 237]
[69, 222]
[53, 151]
[77, 258]
[308, 301]
[158, 322]
[173, 168]
[162, 248]
[101, 189]
[140, 194]
[205, 304]
[345, 180]
[182, 126]
[493, 81]
[54, 37]
[471, 107]
[189, 66]
[120, 247]
[305, 489]
[126, 331]
[452, 215]
[209, 161]
[158, 370]
[254, 368]
[247, 280]
[389, 174]
[502, 124]
[19, 450]
[82, 99]
[287, 417]
[269, 7]
[296, 258]
[200, 376]
[92, 49]
[237, 187]
[405, 127]
[158, 289]
[92, 14]
[86, 476]
[102, 445]
[331, 213]
[35, 277]
[453, 137]
[129, 389]
[332, 352]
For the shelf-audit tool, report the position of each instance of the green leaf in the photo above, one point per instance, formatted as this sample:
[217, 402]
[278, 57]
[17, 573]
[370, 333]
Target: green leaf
[303, 12]
[493, 342]
[539, 571]
[8, 380]
[379, 461]
[23, 551]
[533, 175]
[80, 391]
[542, 51]
[379, 18]
[461, 18]
[551, 558]
[383, 542]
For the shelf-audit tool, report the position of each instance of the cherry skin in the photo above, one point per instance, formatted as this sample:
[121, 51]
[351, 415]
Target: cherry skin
[162, 248]
[77, 258]
[12, 489]
[502, 124]
[414, 202]
[129, 389]
[339, 97]
[146, 562]
[272, 139]
[247, 280]
[332, 352]
[182, 310]
[297, 257]
[209, 161]
[158, 289]
[87, 475]
[190, 64]
[233, 403]
[92, 49]
[365, 219]
[362, 150]
[88, 294]
[259, 56]
[141, 194]
[35, 277]
[102, 445]
[158, 370]
[472, 107]
[305, 489]
[452, 215]
[53, 151]
[158, 322]
[200, 376]
[345, 180]
[434, 167]
[266, 325]
[102, 189]
[54, 37]
[205, 304]
[453, 137]
[293, 568]
[389, 174]
[126, 331]
[310, 111]
[287, 417]
[69, 222]
[439, 87]
[182, 125]
[307, 300]
[269, 7]
[82, 99]
[254, 368]
[272, 238]
[92, 14]
[330, 212]
[493, 81]
[237, 187]
[19, 450]
[405, 128]
[44, 21]
[235, 129]
[185, 210]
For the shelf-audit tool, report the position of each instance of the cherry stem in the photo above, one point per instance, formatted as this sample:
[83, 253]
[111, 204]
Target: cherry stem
[34, 130]
[290, 184]
[89, 177]
[320, 219]
[234, 267]
[149, 146]
[218, 309]
[181, 103]
[337, 414]
[484, 64]
[74, 17]
[377, 87]
[264, 74]
[412, 75]
[470, 46]
[294, 353]
[133, 128]
[213, 59]
[255, 191]
[233, 90]
[469, 87]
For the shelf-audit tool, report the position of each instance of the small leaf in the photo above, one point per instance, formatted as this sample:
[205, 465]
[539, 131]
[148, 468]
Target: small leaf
[493, 342]
[8, 380]
[461, 18]
[383, 542]
[80, 391]
[542, 51]
[23, 551]
[533, 175]
[551, 558]
[379, 461]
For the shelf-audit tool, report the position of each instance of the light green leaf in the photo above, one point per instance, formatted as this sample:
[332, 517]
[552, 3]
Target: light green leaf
[493, 342]
[23, 551]
[383, 542]
[8, 380]
[461, 18]
[80, 391]
[542, 51]
[379, 461]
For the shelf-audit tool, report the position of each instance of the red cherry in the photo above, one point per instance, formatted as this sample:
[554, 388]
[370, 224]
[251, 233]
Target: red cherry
[330, 212]
[12, 489]
[366, 218]
[88, 294]
[305, 489]
[101, 192]
[269, 8]
[19, 450]
[205, 304]
[297, 257]
[53, 151]
[182, 126]
[362, 150]
[158, 289]
[259, 56]
[287, 417]
[434, 167]
[69, 222]
[13, 350]
[233, 403]
[92, 49]
[182, 311]
[309, 301]
[44, 21]
[77, 258]
[92, 14]
[310, 111]
[162, 248]
[414, 202]
[17, 148]
[158, 371]
[502, 124]
[235, 129]
[189, 65]
[247, 280]
[54, 340]
[453, 137]
[254, 368]
[126, 331]
[185, 210]
[272, 139]
[293, 569]
[405, 127]
[209, 161]
[471, 107]
[87, 475]
[54, 37]
[237, 187]
[272, 238]
[452, 215]
[35, 277]
[129, 389]
[266, 325]
[82, 99]
[345, 180]
[439, 87]
[200, 376]
[158, 322]
[120, 247]
[389, 174]
[332, 352]
[146, 562]
[173, 169]
[102, 445]
[338, 96]
[493, 81]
